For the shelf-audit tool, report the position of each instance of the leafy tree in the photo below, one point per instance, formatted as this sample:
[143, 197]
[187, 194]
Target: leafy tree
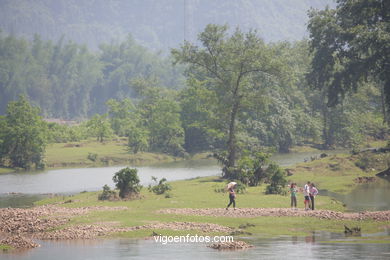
[159, 114]
[23, 135]
[350, 45]
[127, 181]
[228, 63]
[201, 125]
[122, 115]
[138, 139]
[100, 127]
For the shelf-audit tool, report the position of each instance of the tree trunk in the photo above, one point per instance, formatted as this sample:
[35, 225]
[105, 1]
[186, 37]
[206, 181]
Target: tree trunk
[325, 125]
[232, 136]
[383, 100]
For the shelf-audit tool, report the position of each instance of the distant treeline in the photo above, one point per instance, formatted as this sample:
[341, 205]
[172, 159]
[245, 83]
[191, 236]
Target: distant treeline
[66, 80]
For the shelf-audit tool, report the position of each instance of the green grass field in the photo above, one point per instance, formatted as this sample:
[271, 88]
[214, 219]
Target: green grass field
[336, 173]
[108, 153]
[199, 193]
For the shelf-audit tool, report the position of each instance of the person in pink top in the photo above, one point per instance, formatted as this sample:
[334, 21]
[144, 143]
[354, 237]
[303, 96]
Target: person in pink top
[313, 193]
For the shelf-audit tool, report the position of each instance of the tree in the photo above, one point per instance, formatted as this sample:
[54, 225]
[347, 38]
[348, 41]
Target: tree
[100, 127]
[122, 115]
[228, 63]
[138, 139]
[200, 123]
[351, 44]
[23, 135]
[127, 181]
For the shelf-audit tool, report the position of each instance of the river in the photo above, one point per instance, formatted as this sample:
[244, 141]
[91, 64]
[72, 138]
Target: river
[317, 246]
[22, 189]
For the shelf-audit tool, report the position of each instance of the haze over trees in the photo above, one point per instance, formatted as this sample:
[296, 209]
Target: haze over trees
[156, 24]
[229, 92]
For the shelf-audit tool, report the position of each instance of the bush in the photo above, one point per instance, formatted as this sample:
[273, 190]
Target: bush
[161, 186]
[127, 181]
[92, 157]
[278, 180]
[107, 194]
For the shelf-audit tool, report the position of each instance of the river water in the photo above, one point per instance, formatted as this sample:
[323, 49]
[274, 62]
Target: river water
[23, 188]
[321, 246]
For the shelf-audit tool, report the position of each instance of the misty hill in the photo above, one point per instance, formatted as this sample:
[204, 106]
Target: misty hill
[157, 24]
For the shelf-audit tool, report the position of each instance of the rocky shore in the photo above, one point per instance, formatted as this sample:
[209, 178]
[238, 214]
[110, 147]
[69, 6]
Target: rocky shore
[236, 245]
[19, 227]
[280, 212]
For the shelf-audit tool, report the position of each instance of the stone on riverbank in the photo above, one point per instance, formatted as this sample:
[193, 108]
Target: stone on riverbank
[18, 241]
[236, 245]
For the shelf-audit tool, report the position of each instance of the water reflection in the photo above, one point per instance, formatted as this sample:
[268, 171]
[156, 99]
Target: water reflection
[367, 196]
[280, 248]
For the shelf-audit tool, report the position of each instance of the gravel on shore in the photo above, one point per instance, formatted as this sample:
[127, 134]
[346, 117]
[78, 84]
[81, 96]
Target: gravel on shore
[279, 212]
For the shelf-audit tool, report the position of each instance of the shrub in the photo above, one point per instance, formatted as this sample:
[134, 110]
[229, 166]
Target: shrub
[92, 156]
[127, 181]
[161, 186]
[107, 193]
[278, 180]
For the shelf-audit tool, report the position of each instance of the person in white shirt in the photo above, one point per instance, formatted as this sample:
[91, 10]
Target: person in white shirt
[306, 194]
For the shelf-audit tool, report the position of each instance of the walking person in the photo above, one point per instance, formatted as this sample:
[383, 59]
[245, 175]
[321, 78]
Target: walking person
[306, 194]
[232, 195]
[313, 194]
[293, 191]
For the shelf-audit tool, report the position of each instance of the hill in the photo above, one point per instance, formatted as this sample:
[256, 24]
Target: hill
[157, 24]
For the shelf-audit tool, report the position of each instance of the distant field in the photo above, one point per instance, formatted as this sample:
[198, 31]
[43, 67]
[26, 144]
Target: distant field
[108, 153]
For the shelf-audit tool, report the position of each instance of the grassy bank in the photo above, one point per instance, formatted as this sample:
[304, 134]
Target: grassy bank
[112, 152]
[338, 173]
[5, 247]
[200, 193]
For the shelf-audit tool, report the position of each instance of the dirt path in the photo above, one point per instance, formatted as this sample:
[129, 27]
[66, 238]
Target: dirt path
[279, 212]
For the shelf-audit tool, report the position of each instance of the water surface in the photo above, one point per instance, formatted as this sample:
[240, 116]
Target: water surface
[311, 247]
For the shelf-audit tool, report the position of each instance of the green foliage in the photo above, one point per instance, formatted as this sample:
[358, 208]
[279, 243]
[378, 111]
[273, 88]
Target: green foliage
[198, 117]
[92, 156]
[66, 80]
[127, 181]
[160, 186]
[122, 115]
[138, 139]
[350, 45]
[278, 180]
[107, 193]
[23, 135]
[100, 127]
[63, 133]
[229, 63]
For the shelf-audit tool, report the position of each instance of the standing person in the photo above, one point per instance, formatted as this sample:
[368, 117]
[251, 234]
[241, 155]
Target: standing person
[293, 191]
[313, 194]
[306, 194]
[232, 195]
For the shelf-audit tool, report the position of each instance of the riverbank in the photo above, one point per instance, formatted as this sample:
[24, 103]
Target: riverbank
[194, 207]
[20, 228]
[90, 153]
[339, 173]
